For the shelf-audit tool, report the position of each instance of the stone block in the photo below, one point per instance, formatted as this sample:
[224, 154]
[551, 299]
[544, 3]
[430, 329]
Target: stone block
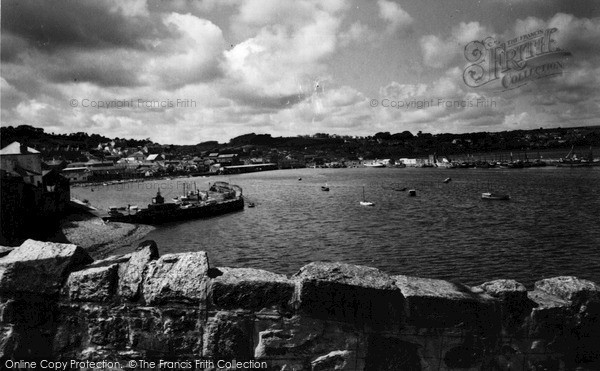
[40, 267]
[304, 339]
[350, 293]
[166, 331]
[251, 289]
[228, 336]
[131, 273]
[439, 303]
[570, 288]
[514, 303]
[550, 316]
[177, 278]
[94, 284]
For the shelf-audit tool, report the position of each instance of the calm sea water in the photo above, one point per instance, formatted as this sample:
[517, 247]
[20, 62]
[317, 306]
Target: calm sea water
[550, 227]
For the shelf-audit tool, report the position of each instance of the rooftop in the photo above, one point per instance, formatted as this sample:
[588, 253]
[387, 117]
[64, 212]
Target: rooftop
[15, 149]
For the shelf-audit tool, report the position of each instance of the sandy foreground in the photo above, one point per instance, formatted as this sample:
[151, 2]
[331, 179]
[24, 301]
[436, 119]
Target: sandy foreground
[100, 238]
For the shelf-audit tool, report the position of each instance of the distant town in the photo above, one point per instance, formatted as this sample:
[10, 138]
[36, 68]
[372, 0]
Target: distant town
[83, 157]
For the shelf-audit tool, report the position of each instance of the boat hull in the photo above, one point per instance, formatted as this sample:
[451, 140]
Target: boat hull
[494, 197]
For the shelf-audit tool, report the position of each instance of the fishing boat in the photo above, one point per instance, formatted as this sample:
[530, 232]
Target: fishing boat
[495, 196]
[221, 198]
[364, 202]
[325, 188]
[572, 160]
[412, 192]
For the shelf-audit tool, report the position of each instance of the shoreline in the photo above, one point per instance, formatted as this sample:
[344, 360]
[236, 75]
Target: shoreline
[84, 228]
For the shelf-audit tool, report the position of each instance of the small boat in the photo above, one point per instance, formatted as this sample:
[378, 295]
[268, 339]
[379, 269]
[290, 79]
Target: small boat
[374, 164]
[447, 180]
[299, 179]
[494, 196]
[251, 204]
[325, 188]
[365, 202]
[412, 192]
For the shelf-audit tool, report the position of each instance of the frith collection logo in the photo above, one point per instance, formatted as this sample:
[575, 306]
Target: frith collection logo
[516, 62]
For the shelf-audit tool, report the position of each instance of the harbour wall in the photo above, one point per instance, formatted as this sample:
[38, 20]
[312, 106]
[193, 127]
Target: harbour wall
[57, 304]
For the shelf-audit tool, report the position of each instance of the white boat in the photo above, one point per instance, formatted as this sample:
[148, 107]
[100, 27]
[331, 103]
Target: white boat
[365, 202]
[374, 164]
[494, 196]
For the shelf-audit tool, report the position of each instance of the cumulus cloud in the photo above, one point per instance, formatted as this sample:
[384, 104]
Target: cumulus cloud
[439, 53]
[396, 17]
[191, 57]
[282, 60]
[357, 33]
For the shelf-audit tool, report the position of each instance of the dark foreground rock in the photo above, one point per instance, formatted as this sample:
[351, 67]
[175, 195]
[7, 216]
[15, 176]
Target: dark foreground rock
[56, 304]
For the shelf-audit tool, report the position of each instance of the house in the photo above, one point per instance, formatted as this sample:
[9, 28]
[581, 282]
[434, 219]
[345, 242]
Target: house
[137, 156]
[228, 159]
[155, 157]
[25, 161]
[76, 174]
[31, 196]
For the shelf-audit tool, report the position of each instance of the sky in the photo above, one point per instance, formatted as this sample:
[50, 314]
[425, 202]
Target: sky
[188, 71]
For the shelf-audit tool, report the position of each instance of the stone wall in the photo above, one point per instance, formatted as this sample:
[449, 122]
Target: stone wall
[57, 304]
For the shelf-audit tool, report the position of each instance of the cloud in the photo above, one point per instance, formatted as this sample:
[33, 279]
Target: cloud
[193, 56]
[357, 33]
[79, 24]
[396, 17]
[283, 59]
[440, 53]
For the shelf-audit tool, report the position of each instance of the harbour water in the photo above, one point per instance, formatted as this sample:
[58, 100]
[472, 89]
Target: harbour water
[550, 227]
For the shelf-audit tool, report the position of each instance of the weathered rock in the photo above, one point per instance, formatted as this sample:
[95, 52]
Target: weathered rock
[252, 289]
[550, 316]
[346, 292]
[294, 342]
[166, 331]
[290, 338]
[336, 360]
[439, 303]
[131, 274]
[506, 290]
[514, 303]
[40, 267]
[570, 288]
[5, 250]
[177, 278]
[580, 324]
[228, 336]
[95, 284]
[107, 327]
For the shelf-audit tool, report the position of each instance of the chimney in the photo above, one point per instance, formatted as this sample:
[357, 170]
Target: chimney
[23, 148]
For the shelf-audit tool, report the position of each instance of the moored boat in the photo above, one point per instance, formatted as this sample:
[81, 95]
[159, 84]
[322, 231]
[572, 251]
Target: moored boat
[221, 198]
[494, 196]
[364, 202]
